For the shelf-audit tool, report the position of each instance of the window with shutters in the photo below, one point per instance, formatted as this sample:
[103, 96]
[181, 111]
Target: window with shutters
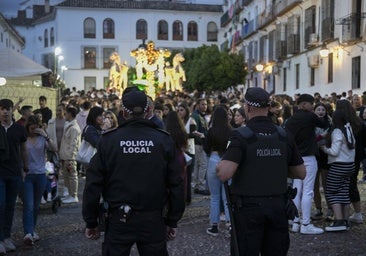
[90, 82]
[250, 55]
[284, 79]
[312, 76]
[141, 29]
[162, 30]
[327, 10]
[281, 44]
[356, 72]
[310, 24]
[255, 51]
[297, 78]
[271, 41]
[52, 37]
[45, 37]
[330, 68]
[89, 28]
[90, 57]
[178, 30]
[212, 32]
[107, 51]
[293, 35]
[192, 31]
[108, 28]
[262, 49]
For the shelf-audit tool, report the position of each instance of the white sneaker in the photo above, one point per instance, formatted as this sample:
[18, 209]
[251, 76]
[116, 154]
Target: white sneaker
[65, 198]
[43, 201]
[295, 227]
[9, 245]
[70, 200]
[49, 197]
[356, 217]
[2, 249]
[310, 229]
[35, 237]
[65, 192]
[28, 239]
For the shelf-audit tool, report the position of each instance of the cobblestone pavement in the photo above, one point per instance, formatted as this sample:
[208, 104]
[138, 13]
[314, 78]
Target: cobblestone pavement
[63, 234]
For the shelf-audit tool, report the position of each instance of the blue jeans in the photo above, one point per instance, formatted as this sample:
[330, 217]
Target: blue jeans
[217, 190]
[32, 192]
[9, 188]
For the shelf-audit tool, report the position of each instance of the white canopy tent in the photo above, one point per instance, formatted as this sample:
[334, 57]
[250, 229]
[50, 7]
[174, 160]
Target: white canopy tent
[16, 66]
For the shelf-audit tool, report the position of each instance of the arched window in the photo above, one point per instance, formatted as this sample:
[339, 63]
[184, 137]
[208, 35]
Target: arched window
[212, 32]
[108, 28]
[45, 37]
[192, 31]
[141, 29]
[90, 57]
[177, 30]
[52, 37]
[89, 28]
[163, 30]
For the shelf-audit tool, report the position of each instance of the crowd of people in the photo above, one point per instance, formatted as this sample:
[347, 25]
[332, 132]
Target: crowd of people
[328, 131]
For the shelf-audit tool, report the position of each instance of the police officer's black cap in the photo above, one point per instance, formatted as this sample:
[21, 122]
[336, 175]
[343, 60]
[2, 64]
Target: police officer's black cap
[134, 101]
[6, 103]
[305, 98]
[257, 97]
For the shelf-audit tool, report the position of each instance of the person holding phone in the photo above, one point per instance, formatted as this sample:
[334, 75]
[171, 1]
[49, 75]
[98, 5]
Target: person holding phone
[38, 142]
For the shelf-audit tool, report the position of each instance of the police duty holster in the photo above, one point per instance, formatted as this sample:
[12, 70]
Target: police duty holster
[291, 209]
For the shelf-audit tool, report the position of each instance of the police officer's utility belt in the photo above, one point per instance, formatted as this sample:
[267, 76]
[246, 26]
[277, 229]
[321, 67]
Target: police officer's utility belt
[239, 200]
[125, 212]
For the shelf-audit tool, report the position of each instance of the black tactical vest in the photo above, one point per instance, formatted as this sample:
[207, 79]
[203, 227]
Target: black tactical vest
[264, 172]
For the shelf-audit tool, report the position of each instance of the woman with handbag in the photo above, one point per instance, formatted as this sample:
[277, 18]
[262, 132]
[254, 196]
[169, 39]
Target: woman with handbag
[90, 136]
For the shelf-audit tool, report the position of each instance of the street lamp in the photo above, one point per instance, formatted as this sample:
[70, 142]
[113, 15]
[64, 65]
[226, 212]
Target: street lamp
[2, 81]
[57, 52]
[63, 69]
[259, 67]
[324, 51]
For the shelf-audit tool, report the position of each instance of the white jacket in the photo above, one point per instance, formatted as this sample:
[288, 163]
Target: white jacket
[339, 151]
[70, 141]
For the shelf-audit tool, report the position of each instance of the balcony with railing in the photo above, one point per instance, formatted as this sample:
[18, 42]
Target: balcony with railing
[248, 29]
[284, 6]
[237, 38]
[327, 28]
[266, 17]
[293, 44]
[351, 27]
[225, 19]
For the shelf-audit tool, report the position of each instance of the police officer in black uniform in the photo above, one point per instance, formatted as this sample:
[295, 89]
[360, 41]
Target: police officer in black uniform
[135, 171]
[259, 158]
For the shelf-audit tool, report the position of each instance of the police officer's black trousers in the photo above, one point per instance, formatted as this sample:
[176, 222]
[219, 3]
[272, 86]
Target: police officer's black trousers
[146, 229]
[262, 226]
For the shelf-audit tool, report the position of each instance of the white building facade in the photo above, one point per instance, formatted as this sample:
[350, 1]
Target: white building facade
[9, 37]
[282, 42]
[85, 33]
